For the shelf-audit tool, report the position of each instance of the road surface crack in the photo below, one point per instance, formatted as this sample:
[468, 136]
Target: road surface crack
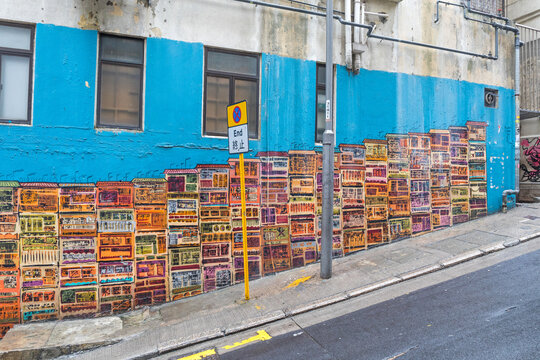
[402, 353]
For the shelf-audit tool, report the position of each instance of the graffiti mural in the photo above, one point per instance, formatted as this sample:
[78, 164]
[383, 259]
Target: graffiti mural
[81, 250]
[530, 160]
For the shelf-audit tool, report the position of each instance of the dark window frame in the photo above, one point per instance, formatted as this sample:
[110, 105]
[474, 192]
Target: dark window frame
[320, 84]
[111, 62]
[22, 53]
[232, 77]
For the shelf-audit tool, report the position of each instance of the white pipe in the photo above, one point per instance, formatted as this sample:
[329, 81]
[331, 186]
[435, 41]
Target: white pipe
[359, 17]
[348, 38]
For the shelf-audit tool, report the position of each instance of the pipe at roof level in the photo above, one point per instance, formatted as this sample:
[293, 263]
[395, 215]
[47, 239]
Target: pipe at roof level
[348, 40]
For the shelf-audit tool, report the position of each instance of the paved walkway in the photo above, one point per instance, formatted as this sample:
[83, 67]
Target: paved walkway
[152, 331]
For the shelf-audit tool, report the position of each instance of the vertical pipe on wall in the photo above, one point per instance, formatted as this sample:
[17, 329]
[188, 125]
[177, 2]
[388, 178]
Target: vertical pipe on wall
[517, 103]
[358, 19]
[348, 39]
[328, 153]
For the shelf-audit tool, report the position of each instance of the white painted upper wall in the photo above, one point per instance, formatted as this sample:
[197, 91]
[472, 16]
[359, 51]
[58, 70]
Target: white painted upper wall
[240, 26]
[524, 12]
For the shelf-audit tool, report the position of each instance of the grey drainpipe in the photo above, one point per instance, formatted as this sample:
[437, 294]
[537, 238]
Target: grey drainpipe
[517, 103]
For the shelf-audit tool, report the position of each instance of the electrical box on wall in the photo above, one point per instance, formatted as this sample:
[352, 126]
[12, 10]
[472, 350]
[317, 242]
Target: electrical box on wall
[491, 98]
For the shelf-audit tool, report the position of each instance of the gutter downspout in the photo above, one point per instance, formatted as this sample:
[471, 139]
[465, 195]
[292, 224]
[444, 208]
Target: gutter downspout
[348, 38]
[359, 17]
[518, 105]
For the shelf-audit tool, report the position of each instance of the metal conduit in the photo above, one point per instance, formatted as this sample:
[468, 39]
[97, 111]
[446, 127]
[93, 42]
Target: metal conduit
[381, 37]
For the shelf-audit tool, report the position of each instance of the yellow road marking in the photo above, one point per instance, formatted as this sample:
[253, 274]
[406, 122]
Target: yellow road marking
[199, 356]
[298, 282]
[261, 336]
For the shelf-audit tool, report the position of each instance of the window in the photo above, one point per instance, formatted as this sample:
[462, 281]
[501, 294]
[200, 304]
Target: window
[320, 122]
[230, 78]
[16, 55]
[120, 82]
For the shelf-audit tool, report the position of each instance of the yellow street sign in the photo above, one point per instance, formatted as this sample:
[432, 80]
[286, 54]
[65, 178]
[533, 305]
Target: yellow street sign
[237, 114]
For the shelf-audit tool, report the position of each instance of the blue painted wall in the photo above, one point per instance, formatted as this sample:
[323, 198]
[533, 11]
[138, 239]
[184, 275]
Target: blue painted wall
[63, 145]
[374, 103]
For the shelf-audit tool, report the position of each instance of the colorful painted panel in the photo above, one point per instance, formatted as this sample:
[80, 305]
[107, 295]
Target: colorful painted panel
[39, 305]
[354, 240]
[149, 191]
[77, 198]
[251, 179]
[154, 243]
[274, 164]
[117, 194]
[78, 302]
[276, 250]
[81, 224]
[352, 155]
[304, 251]
[39, 277]
[185, 283]
[114, 299]
[78, 250]
[10, 311]
[302, 163]
[9, 283]
[150, 218]
[213, 184]
[182, 180]
[254, 267]
[178, 236]
[9, 252]
[116, 272]
[151, 283]
[400, 227]
[376, 150]
[116, 247]
[275, 214]
[8, 223]
[182, 209]
[421, 223]
[216, 276]
[477, 130]
[78, 275]
[216, 253]
[115, 221]
[38, 197]
[9, 197]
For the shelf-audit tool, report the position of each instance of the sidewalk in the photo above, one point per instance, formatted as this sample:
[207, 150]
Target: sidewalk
[152, 331]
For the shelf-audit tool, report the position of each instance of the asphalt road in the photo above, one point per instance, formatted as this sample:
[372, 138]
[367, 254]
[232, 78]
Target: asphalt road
[492, 313]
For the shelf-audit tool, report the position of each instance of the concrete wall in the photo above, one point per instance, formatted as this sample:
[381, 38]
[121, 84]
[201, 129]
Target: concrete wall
[524, 12]
[258, 29]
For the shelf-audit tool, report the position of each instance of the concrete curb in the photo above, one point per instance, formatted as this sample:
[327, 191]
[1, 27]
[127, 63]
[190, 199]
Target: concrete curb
[376, 286]
[493, 248]
[422, 271]
[529, 237]
[461, 258]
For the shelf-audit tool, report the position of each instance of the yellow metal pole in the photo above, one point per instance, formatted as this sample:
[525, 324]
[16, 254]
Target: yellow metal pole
[244, 225]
